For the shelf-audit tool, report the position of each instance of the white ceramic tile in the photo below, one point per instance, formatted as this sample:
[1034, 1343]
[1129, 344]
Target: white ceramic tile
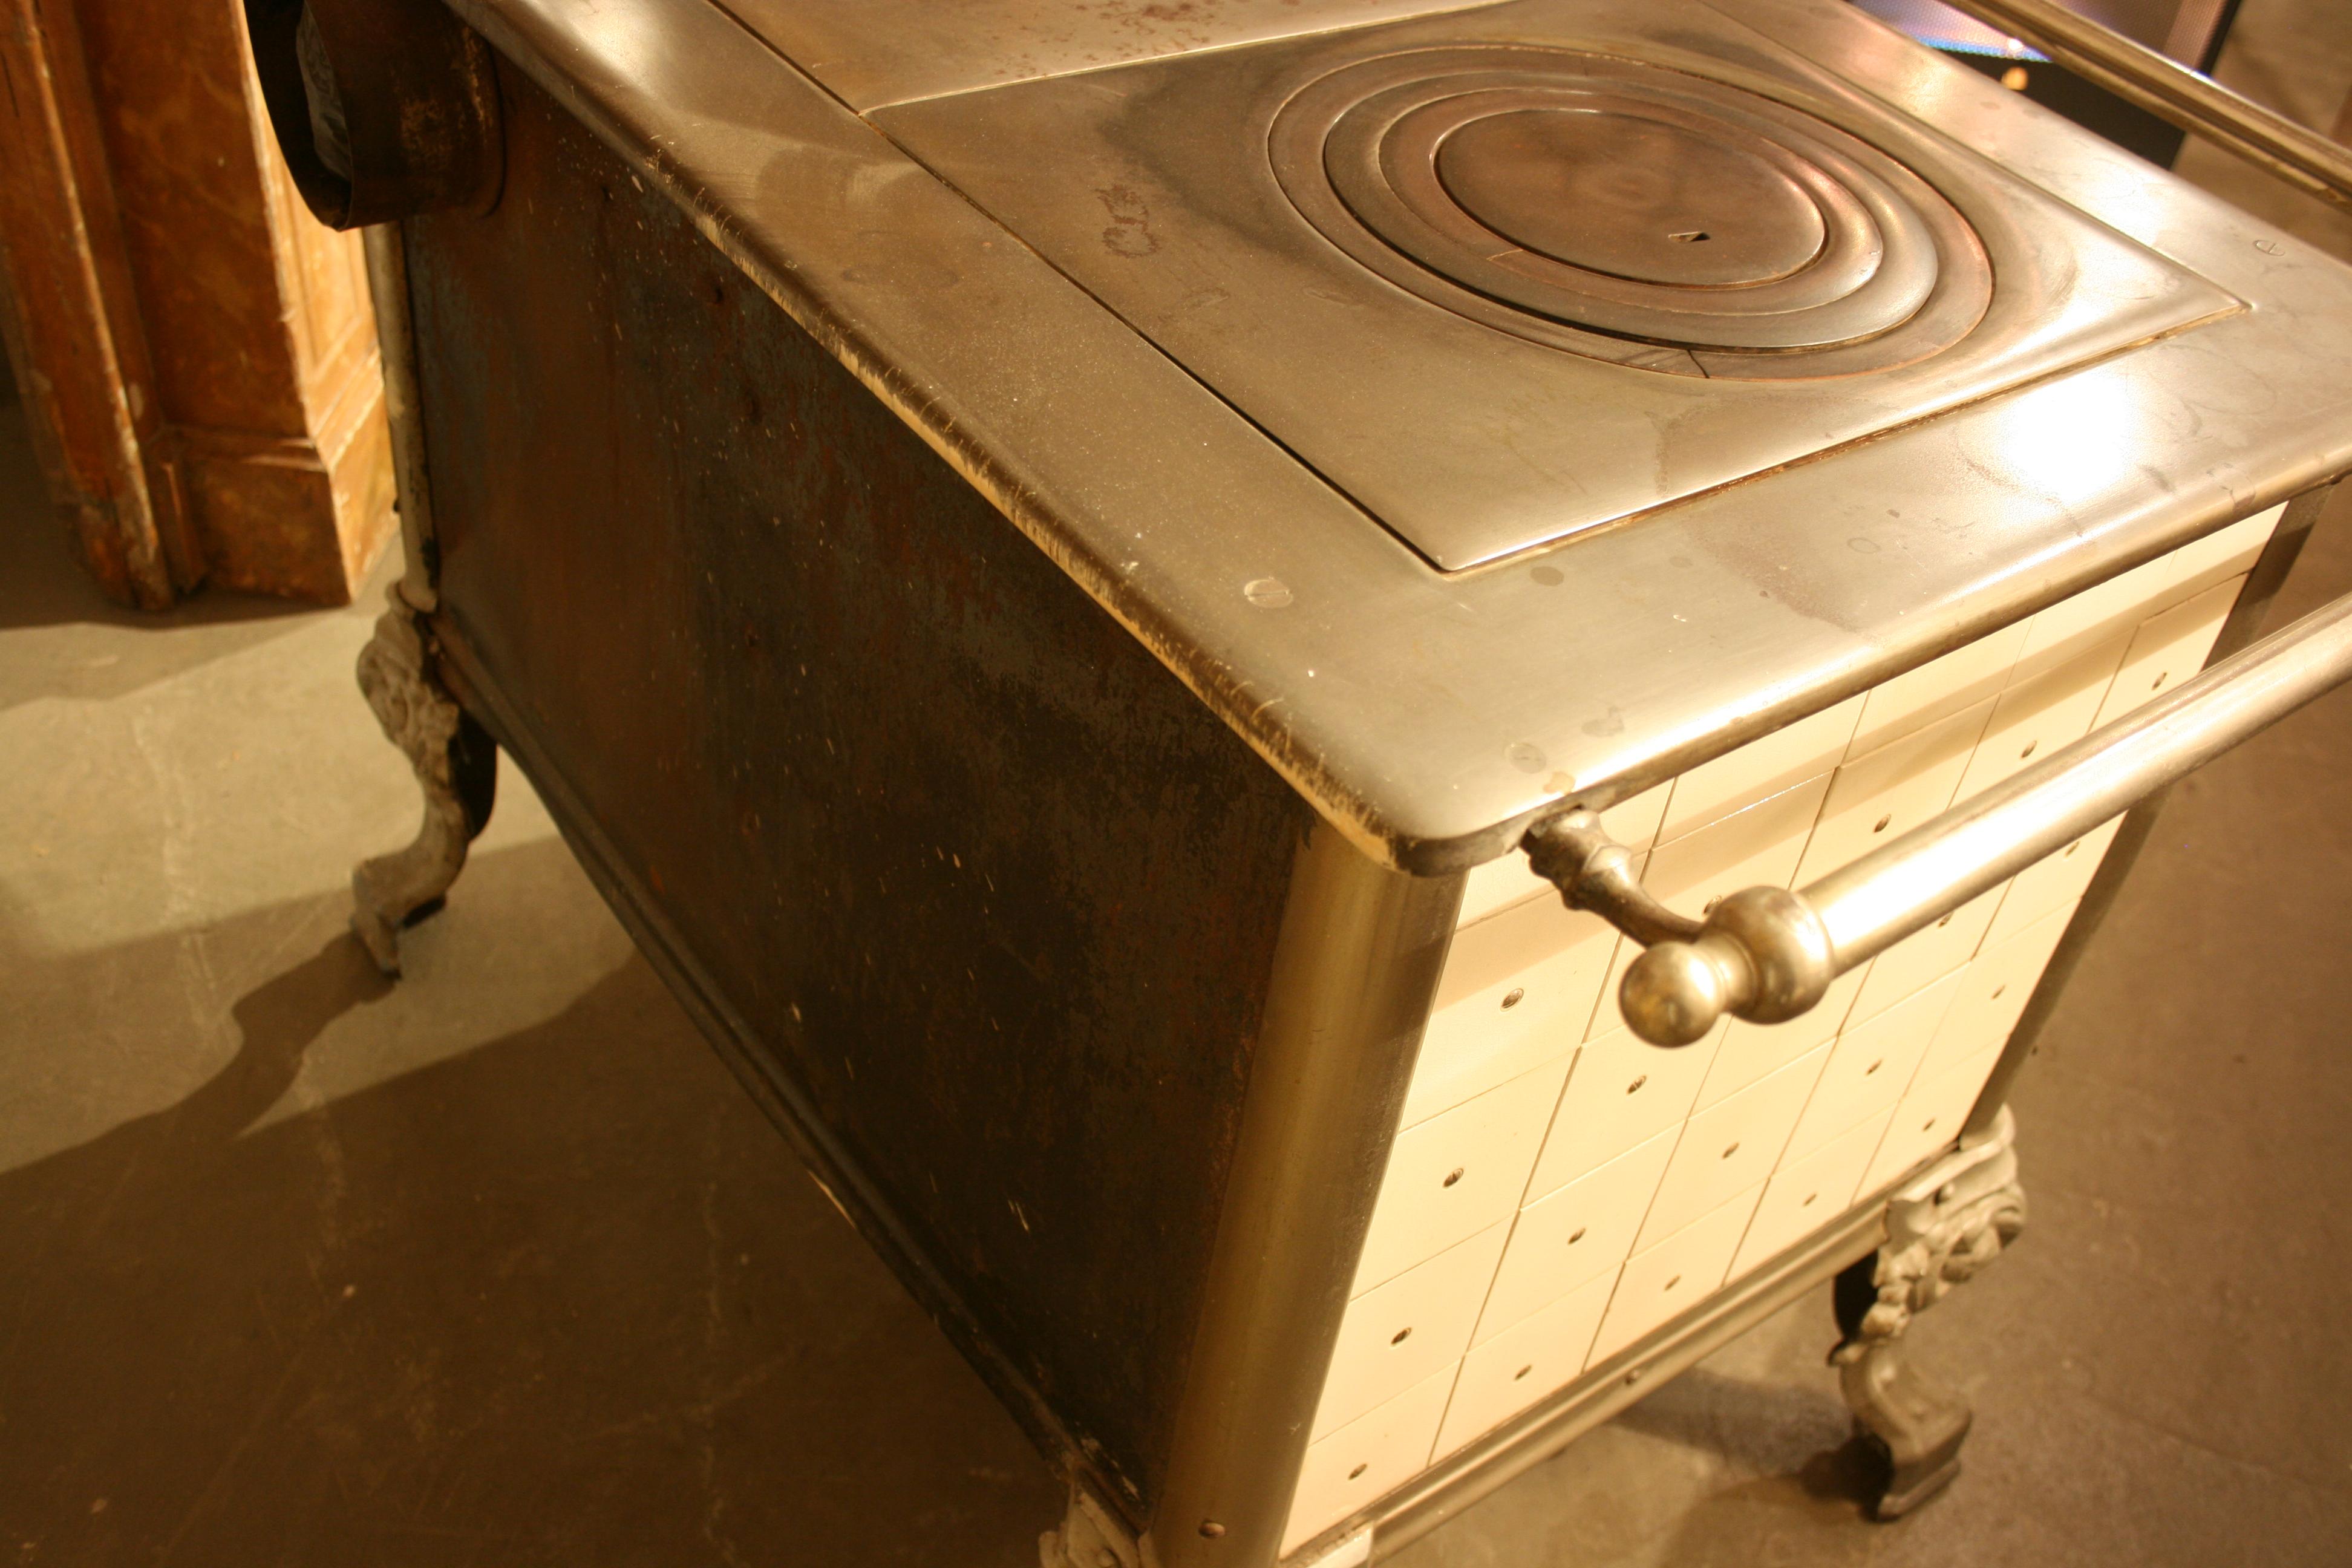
[1762, 768]
[2053, 882]
[1500, 883]
[1731, 1146]
[1353, 1467]
[1926, 956]
[1393, 1336]
[2043, 713]
[1674, 1275]
[1872, 1065]
[1456, 1174]
[1757, 847]
[1809, 1193]
[1534, 1357]
[1973, 673]
[1517, 989]
[1994, 992]
[1929, 1118]
[2071, 628]
[1583, 1231]
[2226, 552]
[1752, 1051]
[1621, 1092]
[1876, 798]
[2168, 649]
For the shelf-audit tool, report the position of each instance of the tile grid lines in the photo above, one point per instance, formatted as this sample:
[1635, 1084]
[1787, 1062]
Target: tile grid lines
[2011, 681]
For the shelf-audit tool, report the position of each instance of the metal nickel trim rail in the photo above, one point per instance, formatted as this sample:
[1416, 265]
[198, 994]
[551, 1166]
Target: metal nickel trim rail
[1767, 954]
[2172, 92]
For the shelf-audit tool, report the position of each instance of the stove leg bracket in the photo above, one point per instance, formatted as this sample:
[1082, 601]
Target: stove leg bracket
[456, 766]
[1941, 1229]
[1091, 1536]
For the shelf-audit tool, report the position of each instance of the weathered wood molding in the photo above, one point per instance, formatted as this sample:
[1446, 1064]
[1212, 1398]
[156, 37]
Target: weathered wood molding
[197, 356]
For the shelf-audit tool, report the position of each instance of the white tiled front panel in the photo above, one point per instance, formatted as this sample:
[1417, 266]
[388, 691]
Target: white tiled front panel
[1559, 1188]
[1456, 1174]
[2168, 649]
[1872, 1063]
[1621, 1092]
[1569, 1237]
[1807, 1192]
[1674, 1275]
[1395, 1334]
[1378, 1450]
[1731, 1146]
[1503, 1375]
[1519, 988]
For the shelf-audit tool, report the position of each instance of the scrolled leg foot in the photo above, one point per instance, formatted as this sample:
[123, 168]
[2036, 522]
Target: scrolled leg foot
[1940, 1230]
[456, 766]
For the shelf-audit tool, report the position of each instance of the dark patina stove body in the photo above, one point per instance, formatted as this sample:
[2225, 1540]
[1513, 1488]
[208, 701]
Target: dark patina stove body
[1046, 556]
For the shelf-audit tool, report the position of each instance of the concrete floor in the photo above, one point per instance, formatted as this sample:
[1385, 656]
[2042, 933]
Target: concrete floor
[498, 1267]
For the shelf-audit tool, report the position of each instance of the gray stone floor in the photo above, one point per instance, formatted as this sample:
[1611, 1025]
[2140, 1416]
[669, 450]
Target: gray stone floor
[497, 1266]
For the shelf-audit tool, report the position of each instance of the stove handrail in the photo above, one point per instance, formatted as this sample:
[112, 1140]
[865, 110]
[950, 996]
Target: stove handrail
[1767, 954]
[2172, 92]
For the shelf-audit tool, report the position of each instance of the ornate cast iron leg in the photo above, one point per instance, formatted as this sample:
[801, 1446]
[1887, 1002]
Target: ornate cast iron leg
[456, 764]
[1940, 1229]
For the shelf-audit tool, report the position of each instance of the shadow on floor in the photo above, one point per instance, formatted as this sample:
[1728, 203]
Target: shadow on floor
[565, 1298]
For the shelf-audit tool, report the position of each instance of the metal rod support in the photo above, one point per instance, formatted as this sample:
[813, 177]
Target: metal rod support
[1767, 954]
[2172, 92]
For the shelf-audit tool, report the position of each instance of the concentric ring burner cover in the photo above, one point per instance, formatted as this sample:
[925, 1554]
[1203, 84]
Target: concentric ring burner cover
[1611, 207]
[1443, 261]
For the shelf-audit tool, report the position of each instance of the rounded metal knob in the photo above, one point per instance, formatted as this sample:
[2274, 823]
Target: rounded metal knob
[1763, 954]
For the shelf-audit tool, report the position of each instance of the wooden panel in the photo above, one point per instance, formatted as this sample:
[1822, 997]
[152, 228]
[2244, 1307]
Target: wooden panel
[74, 335]
[707, 567]
[202, 354]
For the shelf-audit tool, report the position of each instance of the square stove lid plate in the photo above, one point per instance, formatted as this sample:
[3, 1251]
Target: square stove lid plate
[1509, 274]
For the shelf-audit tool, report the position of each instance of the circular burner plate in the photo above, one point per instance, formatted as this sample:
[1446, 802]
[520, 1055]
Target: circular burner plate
[1631, 212]
[1612, 190]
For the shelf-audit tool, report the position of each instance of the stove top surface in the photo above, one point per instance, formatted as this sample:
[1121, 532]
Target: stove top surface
[1506, 275]
[1364, 359]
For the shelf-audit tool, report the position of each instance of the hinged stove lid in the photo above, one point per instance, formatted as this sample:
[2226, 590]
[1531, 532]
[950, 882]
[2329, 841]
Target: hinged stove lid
[1504, 275]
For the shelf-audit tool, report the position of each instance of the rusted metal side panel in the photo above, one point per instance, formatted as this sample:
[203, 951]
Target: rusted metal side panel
[990, 888]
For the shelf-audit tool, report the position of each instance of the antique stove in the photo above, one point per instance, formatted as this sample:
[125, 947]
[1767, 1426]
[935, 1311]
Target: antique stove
[1049, 557]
